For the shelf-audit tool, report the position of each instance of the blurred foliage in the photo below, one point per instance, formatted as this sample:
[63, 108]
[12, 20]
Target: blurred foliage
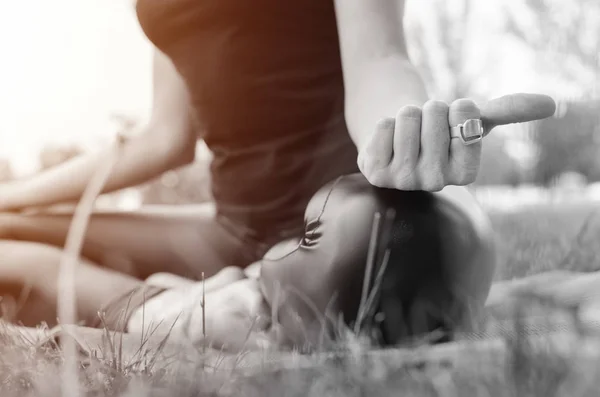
[497, 166]
[564, 35]
[439, 49]
[568, 142]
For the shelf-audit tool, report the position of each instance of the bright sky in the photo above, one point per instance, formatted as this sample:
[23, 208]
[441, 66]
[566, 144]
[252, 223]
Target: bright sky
[68, 64]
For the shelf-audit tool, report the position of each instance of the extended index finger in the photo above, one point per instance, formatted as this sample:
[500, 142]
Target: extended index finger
[516, 108]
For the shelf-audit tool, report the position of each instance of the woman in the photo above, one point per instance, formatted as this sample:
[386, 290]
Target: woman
[428, 261]
[287, 95]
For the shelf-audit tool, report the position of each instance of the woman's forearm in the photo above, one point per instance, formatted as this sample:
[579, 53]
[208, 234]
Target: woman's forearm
[385, 85]
[142, 158]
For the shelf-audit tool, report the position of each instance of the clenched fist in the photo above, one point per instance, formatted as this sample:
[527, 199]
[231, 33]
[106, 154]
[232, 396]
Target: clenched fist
[415, 150]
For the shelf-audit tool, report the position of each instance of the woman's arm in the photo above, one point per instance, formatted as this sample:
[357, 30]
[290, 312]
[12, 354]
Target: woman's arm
[379, 78]
[167, 142]
[404, 140]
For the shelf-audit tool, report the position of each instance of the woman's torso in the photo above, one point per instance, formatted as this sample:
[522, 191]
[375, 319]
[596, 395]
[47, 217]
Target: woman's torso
[266, 85]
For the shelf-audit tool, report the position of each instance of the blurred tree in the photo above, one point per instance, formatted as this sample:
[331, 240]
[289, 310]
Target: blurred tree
[497, 166]
[568, 142]
[566, 39]
[440, 48]
[564, 34]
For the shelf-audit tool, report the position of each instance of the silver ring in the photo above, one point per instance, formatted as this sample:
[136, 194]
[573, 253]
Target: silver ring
[469, 132]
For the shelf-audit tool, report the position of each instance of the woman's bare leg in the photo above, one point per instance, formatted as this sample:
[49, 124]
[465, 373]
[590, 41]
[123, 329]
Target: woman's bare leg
[183, 240]
[29, 274]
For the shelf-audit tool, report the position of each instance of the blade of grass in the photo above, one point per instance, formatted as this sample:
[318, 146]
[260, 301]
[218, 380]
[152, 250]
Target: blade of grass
[203, 315]
[66, 300]
[373, 243]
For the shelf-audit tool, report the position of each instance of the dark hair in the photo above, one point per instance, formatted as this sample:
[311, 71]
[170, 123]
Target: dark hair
[421, 240]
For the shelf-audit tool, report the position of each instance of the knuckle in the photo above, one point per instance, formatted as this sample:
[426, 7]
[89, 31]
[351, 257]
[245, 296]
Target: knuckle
[409, 112]
[377, 179]
[435, 107]
[465, 177]
[435, 187]
[459, 180]
[385, 124]
[407, 185]
[405, 164]
[405, 181]
[470, 177]
[374, 163]
[433, 183]
[365, 162]
[360, 161]
[464, 104]
[465, 108]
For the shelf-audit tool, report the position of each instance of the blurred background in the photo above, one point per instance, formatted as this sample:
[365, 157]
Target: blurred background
[95, 83]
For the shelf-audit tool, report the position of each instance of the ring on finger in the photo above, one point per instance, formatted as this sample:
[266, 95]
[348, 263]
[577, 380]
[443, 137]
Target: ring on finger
[469, 132]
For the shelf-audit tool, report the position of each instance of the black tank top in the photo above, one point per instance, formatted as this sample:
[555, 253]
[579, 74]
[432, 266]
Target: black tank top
[265, 80]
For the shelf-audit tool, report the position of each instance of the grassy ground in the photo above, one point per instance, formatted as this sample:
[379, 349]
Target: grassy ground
[530, 241]
[538, 239]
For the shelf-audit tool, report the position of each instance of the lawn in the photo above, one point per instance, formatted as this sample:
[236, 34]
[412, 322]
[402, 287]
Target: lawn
[531, 240]
[549, 237]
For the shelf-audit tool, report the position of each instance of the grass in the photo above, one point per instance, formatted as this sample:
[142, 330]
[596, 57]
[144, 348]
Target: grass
[530, 241]
[522, 371]
[550, 237]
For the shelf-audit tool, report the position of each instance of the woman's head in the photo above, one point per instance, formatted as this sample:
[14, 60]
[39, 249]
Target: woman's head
[437, 261]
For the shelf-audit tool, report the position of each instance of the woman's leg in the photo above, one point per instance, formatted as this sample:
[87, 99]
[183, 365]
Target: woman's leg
[185, 240]
[29, 275]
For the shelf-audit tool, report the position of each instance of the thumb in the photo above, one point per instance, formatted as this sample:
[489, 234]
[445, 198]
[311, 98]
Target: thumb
[516, 108]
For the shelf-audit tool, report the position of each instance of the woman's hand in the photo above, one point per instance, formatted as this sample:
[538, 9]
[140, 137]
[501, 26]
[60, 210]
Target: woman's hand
[236, 316]
[415, 151]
